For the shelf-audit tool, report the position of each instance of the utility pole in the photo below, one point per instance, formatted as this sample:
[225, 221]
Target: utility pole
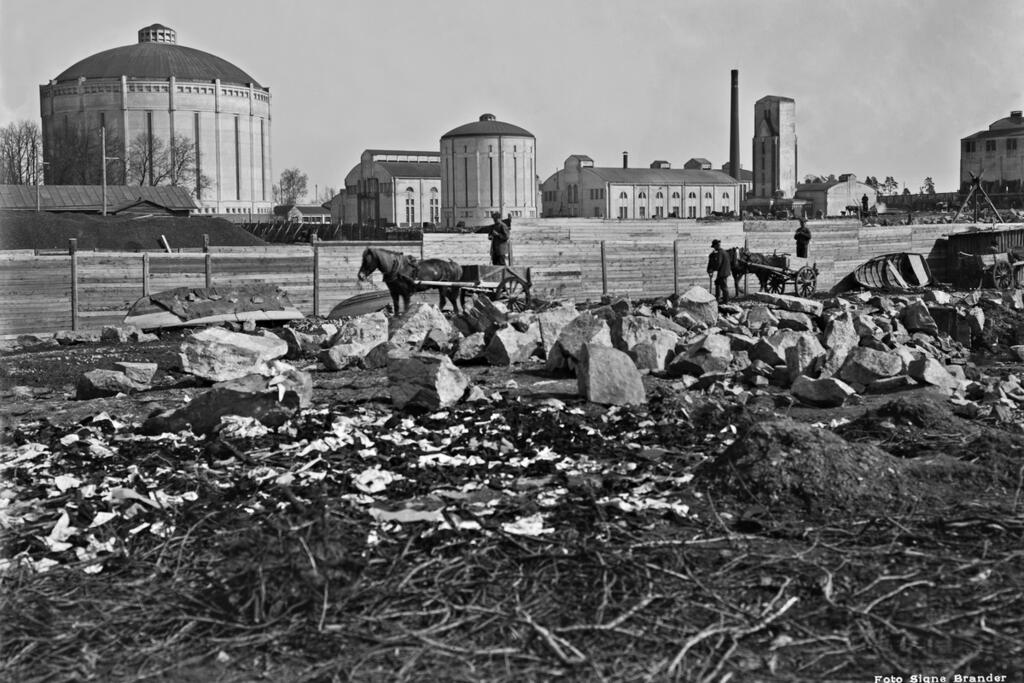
[103, 147]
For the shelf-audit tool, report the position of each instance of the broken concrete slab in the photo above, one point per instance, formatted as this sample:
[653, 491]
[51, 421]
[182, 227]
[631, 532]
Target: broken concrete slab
[917, 318]
[709, 353]
[425, 382]
[552, 321]
[508, 346]
[584, 329]
[772, 348]
[412, 327]
[930, 371]
[139, 373]
[217, 354]
[103, 383]
[470, 349]
[788, 302]
[609, 377]
[864, 366]
[827, 392]
[699, 304]
[802, 358]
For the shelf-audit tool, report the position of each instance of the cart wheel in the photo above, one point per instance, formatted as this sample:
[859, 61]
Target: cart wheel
[776, 284]
[806, 281]
[1002, 275]
[512, 291]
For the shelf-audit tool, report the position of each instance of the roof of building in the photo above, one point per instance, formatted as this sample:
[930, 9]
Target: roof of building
[157, 60]
[746, 176]
[688, 176]
[90, 197]
[1012, 125]
[778, 98]
[411, 169]
[404, 152]
[487, 125]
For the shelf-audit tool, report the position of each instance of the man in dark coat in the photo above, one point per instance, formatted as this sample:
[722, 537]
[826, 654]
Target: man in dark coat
[499, 235]
[720, 267]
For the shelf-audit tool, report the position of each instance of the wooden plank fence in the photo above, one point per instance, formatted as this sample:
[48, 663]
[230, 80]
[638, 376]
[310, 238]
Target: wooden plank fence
[578, 259]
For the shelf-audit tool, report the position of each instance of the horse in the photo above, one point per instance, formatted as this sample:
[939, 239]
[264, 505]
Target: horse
[401, 273]
[740, 258]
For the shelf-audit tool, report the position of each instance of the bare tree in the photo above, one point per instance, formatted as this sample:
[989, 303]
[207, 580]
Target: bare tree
[152, 161]
[20, 153]
[292, 186]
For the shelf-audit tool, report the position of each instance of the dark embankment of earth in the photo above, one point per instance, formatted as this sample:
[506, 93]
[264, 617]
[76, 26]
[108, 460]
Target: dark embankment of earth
[44, 230]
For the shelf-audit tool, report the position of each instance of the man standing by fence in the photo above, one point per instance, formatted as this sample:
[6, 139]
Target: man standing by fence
[719, 269]
[499, 235]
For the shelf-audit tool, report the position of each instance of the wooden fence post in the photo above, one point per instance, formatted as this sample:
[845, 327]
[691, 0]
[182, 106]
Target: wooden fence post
[209, 261]
[604, 269]
[145, 274]
[73, 252]
[675, 267]
[316, 276]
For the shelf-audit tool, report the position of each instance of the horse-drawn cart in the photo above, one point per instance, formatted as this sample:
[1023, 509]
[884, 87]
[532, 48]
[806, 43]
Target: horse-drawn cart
[499, 283]
[774, 274]
[999, 270]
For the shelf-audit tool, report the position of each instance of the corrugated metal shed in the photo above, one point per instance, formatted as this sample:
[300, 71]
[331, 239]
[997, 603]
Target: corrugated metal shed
[89, 198]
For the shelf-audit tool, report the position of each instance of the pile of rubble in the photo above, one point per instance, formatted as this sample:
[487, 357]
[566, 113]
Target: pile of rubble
[823, 353]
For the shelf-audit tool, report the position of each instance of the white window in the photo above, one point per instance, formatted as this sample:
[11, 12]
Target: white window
[691, 211]
[410, 210]
[643, 211]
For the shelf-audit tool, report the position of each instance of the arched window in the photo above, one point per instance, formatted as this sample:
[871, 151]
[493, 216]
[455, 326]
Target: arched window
[659, 195]
[623, 195]
[707, 195]
[675, 195]
[725, 195]
[692, 195]
[409, 189]
[642, 195]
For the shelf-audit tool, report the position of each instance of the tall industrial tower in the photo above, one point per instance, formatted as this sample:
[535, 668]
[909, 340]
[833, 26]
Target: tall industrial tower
[775, 169]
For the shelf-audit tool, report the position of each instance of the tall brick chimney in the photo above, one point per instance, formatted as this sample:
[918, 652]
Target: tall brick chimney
[625, 160]
[734, 128]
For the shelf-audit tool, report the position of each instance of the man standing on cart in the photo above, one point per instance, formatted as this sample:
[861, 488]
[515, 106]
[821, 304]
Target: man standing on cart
[499, 235]
[720, 268]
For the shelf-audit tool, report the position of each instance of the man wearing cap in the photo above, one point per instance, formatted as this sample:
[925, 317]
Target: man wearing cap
[720, 267]
[499, 236]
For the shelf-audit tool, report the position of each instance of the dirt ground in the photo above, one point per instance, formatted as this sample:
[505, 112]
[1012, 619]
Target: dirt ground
[723, 535]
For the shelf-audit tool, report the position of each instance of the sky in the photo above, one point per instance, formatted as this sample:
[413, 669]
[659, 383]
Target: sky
[882, 87]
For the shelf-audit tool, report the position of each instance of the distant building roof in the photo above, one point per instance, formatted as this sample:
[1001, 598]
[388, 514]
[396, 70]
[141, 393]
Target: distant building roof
[403, 152]
[667, 176]
[1011, 125]
[411, 169]
[149, 59]
[745, 175]
[487, 125]
[780, 98]
[89, 198]
[308, 209]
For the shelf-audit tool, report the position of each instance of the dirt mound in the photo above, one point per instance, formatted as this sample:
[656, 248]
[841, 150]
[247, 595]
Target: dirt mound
[792, 463]
[43, 230]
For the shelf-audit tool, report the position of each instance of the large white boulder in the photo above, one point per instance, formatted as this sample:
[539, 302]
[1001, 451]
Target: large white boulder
[218, 354]
[609, 377]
